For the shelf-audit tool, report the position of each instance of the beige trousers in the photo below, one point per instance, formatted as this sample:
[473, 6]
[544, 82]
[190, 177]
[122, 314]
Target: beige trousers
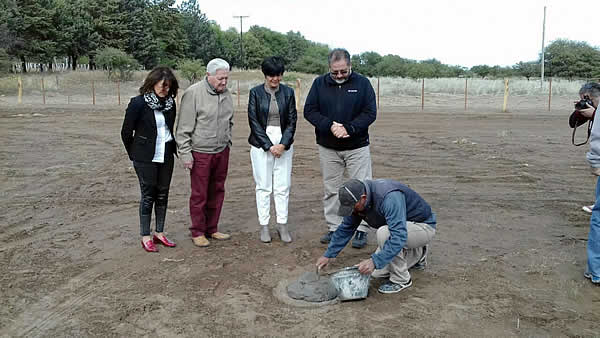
[419, 235]
[356, 163]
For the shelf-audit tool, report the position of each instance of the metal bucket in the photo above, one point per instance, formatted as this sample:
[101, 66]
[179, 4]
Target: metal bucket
[351, 284]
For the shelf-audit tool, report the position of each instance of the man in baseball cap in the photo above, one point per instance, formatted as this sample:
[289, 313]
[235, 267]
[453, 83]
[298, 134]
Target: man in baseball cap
[405, 225]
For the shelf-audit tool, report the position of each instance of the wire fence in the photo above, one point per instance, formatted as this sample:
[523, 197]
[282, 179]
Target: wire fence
[93, 88]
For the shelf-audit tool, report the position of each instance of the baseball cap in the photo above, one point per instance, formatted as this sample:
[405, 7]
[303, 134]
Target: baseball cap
[348, 195]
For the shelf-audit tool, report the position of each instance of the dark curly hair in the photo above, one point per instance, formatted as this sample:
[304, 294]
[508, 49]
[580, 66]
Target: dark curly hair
[155, 76]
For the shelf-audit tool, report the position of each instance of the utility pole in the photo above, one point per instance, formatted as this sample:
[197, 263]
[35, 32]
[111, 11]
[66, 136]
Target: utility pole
[543, 38]
[241, 39]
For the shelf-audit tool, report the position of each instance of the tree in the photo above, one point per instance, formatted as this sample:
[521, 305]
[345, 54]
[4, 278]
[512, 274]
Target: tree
[119, 64]
[528, 69]
[229, 41]
[31, 22]
[275, 42]
[366, 63]
[481, 70]
[567, 58]
[77, 36]
[192, 70]
[5, 62]
[203, 41]
[254, 51]
[393, 65]
[167, 31]
[296, 47]
[314, 60]
[421, 70]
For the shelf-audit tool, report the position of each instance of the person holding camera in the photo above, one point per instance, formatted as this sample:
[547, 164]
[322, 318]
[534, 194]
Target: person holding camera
[591, 93]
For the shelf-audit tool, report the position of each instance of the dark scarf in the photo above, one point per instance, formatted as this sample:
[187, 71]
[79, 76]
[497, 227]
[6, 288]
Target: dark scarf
[158, 104]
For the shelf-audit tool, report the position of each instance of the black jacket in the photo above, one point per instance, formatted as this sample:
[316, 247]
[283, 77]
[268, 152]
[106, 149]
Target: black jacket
[352, 104]
[258, 114]
[139, 130]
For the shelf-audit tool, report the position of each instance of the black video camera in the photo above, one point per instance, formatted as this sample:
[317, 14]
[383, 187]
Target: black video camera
[577, 119]
[583, 103]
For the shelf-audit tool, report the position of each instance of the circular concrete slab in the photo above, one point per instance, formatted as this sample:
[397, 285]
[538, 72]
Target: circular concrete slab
[280, 292]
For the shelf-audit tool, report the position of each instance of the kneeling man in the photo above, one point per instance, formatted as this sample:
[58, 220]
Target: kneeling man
[405, 225]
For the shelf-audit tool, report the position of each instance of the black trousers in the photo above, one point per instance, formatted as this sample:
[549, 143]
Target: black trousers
[155, 179]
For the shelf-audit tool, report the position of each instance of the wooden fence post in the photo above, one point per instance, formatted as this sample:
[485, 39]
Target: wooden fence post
[43, 91]
[505, 95]
[378, 93]
[466, 91]
[298, 93]
[93, 93]
[119, 92]
[20, 90]
[423, 95]
[550, 94]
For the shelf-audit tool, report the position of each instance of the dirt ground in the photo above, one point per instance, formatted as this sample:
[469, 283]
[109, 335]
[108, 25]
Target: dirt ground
[507, 260]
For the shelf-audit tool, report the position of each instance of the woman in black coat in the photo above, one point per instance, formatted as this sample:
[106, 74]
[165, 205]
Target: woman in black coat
[272, 116]
[147, 134]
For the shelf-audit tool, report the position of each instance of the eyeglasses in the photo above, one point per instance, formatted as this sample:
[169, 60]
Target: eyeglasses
[340, 72]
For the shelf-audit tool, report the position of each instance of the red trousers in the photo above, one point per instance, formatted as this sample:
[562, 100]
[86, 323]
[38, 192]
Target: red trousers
[208, 191]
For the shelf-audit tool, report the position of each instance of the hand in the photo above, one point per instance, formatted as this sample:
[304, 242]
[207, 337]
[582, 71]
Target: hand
[322, 262]
[188, 165]
[588, 112]
[338, 130]
[277, 150]
[366, 267]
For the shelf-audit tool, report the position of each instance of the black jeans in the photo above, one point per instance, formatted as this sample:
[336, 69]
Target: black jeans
[155, 179]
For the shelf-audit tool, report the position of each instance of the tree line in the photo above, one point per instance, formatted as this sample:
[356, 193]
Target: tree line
[134, 34]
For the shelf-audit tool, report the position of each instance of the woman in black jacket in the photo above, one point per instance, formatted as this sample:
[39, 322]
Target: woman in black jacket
[272, 117]
[147, 134]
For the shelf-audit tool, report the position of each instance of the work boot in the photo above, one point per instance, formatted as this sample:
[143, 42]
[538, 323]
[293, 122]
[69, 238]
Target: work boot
[327, 237]
[265, 237]
[200, 241]
[284, 234]
[220, 236]
[360, 240]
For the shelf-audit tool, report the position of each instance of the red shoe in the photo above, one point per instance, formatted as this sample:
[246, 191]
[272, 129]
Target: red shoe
[149, 246]
[164, 241]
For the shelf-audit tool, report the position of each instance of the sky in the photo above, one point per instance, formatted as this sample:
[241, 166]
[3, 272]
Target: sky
[455, 32]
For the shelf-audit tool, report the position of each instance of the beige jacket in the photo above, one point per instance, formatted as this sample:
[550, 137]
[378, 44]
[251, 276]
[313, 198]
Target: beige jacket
[205, 121]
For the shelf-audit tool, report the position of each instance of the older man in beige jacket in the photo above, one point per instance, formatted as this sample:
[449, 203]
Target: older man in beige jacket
[203, 139]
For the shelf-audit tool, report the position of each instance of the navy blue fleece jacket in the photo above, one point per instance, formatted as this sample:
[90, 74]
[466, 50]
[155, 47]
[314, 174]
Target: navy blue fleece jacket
[351, 103]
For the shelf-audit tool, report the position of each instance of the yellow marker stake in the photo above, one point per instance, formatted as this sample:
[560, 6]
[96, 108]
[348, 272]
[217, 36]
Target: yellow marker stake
[20, 86]
[505, 95]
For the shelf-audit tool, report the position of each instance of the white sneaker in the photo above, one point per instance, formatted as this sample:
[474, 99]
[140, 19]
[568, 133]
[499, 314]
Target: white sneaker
[588, 208]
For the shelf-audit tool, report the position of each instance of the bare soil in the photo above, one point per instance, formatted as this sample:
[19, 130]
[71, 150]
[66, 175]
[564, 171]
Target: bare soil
[507, 260]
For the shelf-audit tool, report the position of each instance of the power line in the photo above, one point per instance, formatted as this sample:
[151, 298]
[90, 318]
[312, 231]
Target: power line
[243, 65]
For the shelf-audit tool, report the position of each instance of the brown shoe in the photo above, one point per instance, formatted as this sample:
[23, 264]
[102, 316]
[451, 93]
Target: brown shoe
[220, 236]
[200, 241]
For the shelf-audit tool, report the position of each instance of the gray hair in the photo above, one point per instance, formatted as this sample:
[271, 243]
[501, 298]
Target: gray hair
[339, 54]
[216, 64]
[591, 88]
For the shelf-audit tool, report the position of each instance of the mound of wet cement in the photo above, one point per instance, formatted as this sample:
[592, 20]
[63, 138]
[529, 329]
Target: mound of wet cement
[312, 288]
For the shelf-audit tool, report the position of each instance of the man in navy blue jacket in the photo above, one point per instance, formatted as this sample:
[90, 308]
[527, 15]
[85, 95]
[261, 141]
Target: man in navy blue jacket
[405, 225]
[341, 105]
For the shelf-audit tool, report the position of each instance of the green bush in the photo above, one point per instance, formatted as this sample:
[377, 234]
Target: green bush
[192, 70]
[120, 65]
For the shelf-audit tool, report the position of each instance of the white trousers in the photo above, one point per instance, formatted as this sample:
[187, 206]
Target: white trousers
[272, 175]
